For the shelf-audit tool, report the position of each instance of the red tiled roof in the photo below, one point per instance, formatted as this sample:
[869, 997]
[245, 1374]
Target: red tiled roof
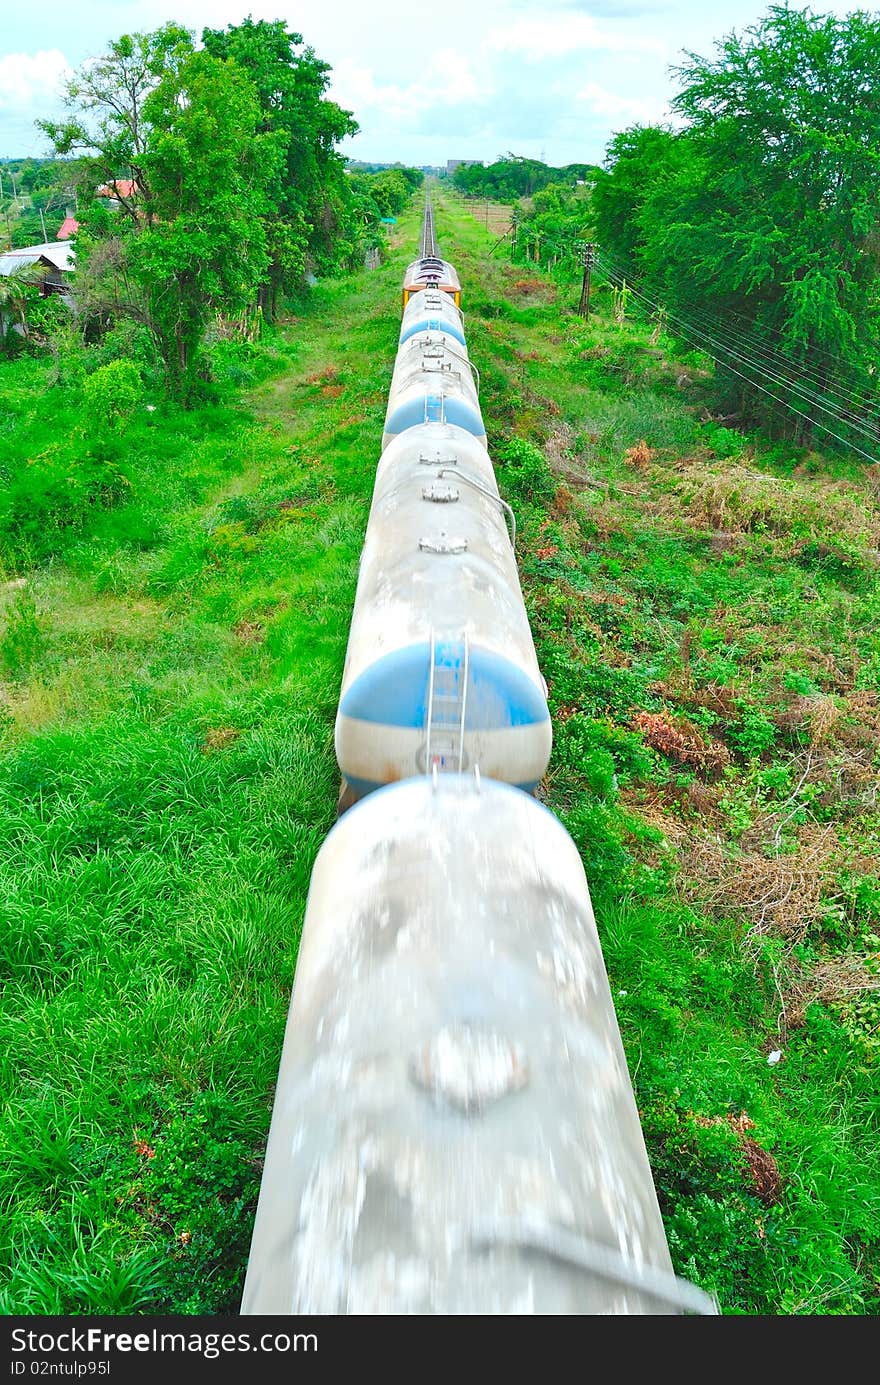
[120, 187]
[68, 228]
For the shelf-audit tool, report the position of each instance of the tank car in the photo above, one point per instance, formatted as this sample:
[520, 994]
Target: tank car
[430, 312]
[454, 1129]
[440, 669]
[433, 378]
[430, 272]
[433, 382]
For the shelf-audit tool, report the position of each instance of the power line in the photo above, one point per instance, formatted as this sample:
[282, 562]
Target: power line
[777, 358]
[719, 360]
[787, 374]
[847, 419]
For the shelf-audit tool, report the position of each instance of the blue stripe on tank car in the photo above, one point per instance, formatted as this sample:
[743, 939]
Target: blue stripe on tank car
[435, 408]
[432, 324]
[394, 691]
[465, 416]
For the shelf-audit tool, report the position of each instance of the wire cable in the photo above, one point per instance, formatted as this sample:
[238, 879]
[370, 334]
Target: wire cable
[688, 333]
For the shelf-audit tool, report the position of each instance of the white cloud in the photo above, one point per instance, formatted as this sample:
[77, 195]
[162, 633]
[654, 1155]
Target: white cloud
[554, 35]
[644, 109]
[445, 80]
[31, 81]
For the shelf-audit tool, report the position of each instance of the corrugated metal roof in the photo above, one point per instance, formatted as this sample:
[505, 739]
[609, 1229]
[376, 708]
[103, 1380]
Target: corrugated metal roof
[12, 263]
[59, 254]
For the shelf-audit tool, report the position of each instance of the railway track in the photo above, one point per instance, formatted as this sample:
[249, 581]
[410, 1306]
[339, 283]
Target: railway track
[454, 1128]
[428, 243]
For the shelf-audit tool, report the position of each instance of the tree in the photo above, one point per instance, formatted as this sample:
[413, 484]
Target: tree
[17, 291]
[310, 200]
[185, 129]
[107, 95]
[763, 210]
[636, 159]
[206, 167]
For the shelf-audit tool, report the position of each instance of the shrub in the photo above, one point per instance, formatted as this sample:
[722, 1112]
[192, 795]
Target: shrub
[22, 637]
[524, 471]
[111, 394]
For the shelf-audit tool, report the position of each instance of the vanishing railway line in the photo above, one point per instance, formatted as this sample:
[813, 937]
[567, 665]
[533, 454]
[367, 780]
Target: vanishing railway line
[454, 1128]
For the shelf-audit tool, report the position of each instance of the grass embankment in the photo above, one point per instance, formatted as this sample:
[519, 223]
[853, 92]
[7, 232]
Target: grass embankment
[171, 674]
[704, 615]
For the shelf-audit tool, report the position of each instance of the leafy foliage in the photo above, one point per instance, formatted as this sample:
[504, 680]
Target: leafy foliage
[759, 216]
[214, 185]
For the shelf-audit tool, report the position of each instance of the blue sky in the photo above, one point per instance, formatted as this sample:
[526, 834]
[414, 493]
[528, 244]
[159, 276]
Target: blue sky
[553, 79]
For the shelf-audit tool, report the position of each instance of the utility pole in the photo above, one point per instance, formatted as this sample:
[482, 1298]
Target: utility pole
[514, 222]
[43, 224]
[588, 259]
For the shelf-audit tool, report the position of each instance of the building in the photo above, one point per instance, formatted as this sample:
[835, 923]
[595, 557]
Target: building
[68, 228]
[117, 190]
[53, 261]
[453, 164]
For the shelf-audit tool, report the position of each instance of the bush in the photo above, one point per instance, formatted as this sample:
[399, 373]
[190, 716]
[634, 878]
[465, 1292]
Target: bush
[22, 637]
[524, 471]
[111, 394]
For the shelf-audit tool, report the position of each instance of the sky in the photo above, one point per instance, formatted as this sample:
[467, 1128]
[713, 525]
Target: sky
[546, 79]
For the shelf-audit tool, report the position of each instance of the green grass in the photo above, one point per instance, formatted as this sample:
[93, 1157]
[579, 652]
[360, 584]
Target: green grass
[171, 669]
[175, 610]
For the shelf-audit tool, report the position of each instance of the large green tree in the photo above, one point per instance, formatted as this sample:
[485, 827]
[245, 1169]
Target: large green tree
[309, 202]
[207, 169]
[224, 163]
[106, 126]
[762, 215]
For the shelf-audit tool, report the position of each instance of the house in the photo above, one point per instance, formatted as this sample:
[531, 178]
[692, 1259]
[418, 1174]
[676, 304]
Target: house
[54, 263]
[68, 228]
[117, 190]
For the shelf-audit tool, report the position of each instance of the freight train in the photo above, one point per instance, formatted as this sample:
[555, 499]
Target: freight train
[454, 1129]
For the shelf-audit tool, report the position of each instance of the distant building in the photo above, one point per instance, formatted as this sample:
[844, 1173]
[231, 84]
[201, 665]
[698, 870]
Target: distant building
[453, 164]
[117, 189]
[68, 228]
[52, 263]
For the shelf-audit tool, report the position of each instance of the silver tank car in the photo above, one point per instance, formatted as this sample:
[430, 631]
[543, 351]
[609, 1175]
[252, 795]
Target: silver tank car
[426, 357]
[433, 382]
[431, 309]
[433, 379]
[440, 670]
[454, 1129]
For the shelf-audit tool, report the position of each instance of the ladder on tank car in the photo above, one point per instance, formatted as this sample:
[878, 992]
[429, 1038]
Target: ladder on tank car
[447, 704]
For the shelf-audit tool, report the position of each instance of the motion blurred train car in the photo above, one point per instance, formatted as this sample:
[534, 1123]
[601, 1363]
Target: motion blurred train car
[440, 670]
[454, 1128]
